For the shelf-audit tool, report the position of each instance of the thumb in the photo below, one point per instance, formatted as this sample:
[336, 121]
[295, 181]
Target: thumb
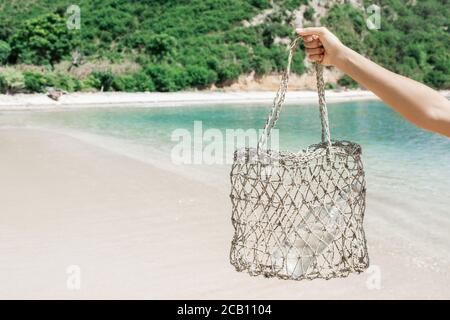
[310, 31]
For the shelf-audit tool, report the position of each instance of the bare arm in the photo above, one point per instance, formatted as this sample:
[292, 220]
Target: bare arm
[416, 102]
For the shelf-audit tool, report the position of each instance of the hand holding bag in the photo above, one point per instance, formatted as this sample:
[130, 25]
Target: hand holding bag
[299, 215]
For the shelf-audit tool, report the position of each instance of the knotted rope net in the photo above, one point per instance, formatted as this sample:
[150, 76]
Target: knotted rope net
[299, 215]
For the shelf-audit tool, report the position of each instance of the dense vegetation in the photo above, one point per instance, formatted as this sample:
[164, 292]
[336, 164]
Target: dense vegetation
[178, 44]
[414, 39]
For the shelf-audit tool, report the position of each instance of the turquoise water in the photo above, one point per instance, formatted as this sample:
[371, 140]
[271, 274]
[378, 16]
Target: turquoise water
[396, 154]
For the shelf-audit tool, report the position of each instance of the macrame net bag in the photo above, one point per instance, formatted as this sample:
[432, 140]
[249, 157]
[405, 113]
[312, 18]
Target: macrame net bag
[299, 215]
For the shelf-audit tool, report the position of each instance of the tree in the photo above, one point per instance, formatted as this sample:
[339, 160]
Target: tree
[347, 82]
[5, 51]
[34, 82]
[161, 46]
[348, 23]
[12, 81]
[200, 77]
[3, 84]
[167, 77]
[227, 72]
[309, 13]
[43, 40]
[104, 80]
[137, 82]
[298, 62]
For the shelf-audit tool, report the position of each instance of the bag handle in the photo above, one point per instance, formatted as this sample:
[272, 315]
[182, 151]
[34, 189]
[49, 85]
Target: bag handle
[278, 102]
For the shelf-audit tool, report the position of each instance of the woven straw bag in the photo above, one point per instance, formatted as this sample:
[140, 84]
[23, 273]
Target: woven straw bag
[299, 215]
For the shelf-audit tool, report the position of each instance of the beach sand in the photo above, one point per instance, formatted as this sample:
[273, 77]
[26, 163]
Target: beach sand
[169, 99]
[38, 101]
[138, 231]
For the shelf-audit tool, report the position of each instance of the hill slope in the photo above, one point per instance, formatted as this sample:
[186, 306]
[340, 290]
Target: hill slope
[170, 45]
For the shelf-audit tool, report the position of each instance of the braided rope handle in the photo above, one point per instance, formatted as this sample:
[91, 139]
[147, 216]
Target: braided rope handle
[278, 102]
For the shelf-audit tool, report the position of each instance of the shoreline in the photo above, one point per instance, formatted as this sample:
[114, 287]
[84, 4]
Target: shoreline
[170, 99]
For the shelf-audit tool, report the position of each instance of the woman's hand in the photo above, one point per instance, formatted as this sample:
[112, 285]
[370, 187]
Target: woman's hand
[416, 102]
[322, 46]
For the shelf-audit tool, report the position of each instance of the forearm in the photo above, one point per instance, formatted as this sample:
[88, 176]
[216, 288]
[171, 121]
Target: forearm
[413, 100]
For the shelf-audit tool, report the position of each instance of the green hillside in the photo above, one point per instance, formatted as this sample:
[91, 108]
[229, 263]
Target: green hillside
[179, 44]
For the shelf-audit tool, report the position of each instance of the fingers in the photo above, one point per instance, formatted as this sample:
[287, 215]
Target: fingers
[313, 44]
[314, 51]
[311, 38]
[316, 57]
[311, 31]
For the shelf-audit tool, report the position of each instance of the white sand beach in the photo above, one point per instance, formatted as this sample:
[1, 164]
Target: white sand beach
[166, 99]
[139, 231]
